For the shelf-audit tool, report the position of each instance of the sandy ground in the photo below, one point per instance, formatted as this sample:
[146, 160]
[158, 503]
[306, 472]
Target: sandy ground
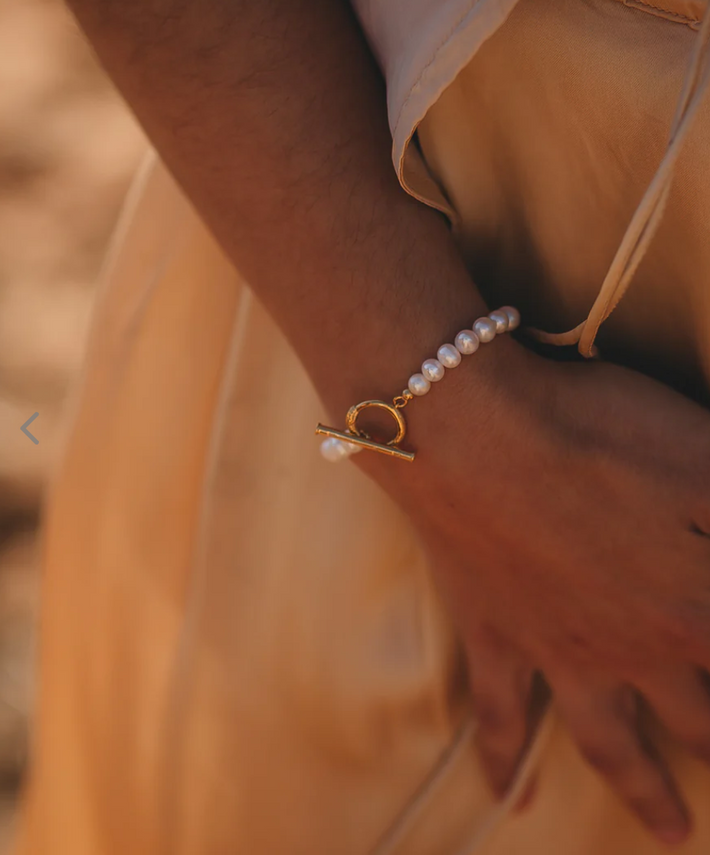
[68, 148]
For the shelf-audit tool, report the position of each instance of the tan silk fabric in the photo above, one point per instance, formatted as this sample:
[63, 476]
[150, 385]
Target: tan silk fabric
[241, 649]
[566, 139]
[422, 45]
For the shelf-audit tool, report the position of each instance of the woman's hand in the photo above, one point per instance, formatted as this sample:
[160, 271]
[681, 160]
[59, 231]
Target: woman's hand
[566, 516]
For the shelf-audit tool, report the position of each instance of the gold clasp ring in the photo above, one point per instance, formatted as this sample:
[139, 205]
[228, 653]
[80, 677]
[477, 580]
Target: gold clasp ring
[354, 412]
[356, 436]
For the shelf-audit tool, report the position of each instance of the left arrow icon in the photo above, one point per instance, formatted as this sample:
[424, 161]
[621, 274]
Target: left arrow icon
[26, 432]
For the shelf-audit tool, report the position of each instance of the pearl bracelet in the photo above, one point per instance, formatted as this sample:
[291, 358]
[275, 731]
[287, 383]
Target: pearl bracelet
[341, 444]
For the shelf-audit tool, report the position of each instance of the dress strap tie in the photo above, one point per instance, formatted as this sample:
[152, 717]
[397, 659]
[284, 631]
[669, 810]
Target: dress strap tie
[648, 214]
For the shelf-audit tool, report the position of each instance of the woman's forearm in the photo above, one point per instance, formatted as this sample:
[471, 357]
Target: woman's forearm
[271, 114]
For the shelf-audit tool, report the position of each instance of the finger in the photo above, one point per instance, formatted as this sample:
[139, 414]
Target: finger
[500, 688]
[604, 722]
[681, 699]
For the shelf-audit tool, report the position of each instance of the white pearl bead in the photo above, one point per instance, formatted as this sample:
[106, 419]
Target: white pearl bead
[418, 385]
[433, 370]
[448, 356]
[500, 319]
[351, 448]
[513, 317]
[485, 329]
[466, 342]
[333, 449]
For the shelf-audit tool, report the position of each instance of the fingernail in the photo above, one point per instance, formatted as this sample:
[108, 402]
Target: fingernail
[527, 797]
[672, 834]
[500, 790]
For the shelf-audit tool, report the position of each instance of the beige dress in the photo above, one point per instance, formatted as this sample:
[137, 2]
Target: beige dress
[241, 649]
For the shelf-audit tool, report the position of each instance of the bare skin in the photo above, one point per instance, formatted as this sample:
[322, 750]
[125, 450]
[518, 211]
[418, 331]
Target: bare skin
[563, 506]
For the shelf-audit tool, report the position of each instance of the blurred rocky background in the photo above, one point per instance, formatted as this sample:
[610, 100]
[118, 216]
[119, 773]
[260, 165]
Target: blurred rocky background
[68, 149]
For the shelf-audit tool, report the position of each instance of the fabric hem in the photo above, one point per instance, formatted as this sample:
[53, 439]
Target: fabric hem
[689, 13]
[435, 77]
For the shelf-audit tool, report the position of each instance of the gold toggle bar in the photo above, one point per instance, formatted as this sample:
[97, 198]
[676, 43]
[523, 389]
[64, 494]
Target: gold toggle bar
[389, 450]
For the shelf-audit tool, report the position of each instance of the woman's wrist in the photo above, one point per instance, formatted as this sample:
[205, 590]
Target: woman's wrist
[468, 375]
[402, 320]
[342, 443]
[493, 387]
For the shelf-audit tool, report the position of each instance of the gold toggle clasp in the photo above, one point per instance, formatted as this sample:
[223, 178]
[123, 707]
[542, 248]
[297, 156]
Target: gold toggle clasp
[354, 435]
